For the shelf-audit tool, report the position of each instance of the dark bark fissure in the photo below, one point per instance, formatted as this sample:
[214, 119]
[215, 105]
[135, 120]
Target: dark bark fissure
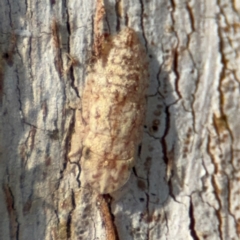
[69, 219]
[192, 222]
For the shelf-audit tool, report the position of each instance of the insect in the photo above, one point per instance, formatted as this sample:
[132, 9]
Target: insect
[113, 110]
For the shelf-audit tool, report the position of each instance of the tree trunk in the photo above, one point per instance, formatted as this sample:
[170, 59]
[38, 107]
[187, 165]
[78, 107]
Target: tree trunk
[185, 183]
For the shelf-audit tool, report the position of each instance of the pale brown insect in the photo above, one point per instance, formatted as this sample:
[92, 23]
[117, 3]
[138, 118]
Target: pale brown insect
[113, 110]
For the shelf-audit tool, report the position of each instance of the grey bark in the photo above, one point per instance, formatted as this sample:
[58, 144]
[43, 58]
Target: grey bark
[185, 184]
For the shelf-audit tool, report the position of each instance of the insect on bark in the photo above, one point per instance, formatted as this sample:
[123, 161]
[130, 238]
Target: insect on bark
[113, 111]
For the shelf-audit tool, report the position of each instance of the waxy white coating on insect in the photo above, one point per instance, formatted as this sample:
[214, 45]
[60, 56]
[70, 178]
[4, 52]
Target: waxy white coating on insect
[113, 112]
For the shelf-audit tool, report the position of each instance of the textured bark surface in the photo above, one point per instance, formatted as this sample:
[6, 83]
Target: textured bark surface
[185, 184]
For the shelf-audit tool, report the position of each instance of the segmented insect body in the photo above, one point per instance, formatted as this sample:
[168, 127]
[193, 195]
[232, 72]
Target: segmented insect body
[113, 110]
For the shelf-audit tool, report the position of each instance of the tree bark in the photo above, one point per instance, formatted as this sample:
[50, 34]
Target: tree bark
[185, 184]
